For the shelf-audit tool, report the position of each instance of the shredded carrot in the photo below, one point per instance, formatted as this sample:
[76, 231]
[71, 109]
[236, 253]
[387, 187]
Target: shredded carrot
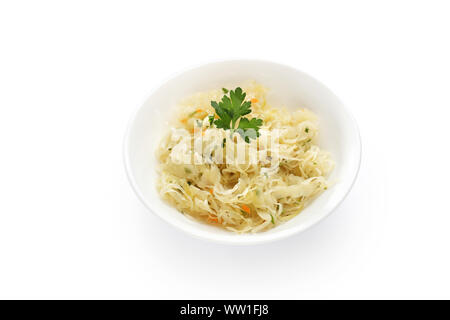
[210, 191]
[213, 219]
[183, 120]
[199, 110]
[192, 130]
[254, 100]
[246, 208]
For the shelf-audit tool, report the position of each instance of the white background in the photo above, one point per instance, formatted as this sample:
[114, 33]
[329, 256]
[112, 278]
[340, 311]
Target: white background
[72, 73]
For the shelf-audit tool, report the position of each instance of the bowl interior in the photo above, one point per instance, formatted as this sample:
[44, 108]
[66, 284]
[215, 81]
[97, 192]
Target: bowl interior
[287, 87]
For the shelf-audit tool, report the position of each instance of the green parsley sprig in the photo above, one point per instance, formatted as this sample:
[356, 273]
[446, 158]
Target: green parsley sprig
[231, 111]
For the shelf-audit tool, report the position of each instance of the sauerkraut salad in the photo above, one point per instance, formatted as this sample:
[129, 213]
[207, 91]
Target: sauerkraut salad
[240, 163]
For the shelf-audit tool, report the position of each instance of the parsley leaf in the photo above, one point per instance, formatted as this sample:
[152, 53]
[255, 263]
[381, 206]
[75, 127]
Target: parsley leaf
[233, 108]
[249, 129]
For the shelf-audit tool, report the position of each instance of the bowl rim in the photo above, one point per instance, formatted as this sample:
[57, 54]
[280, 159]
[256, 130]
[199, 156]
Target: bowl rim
[249, 240]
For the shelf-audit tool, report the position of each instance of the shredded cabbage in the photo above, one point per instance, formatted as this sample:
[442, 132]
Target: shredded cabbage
[266, 189]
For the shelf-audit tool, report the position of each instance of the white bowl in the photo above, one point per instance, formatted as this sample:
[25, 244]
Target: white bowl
[287, 87]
